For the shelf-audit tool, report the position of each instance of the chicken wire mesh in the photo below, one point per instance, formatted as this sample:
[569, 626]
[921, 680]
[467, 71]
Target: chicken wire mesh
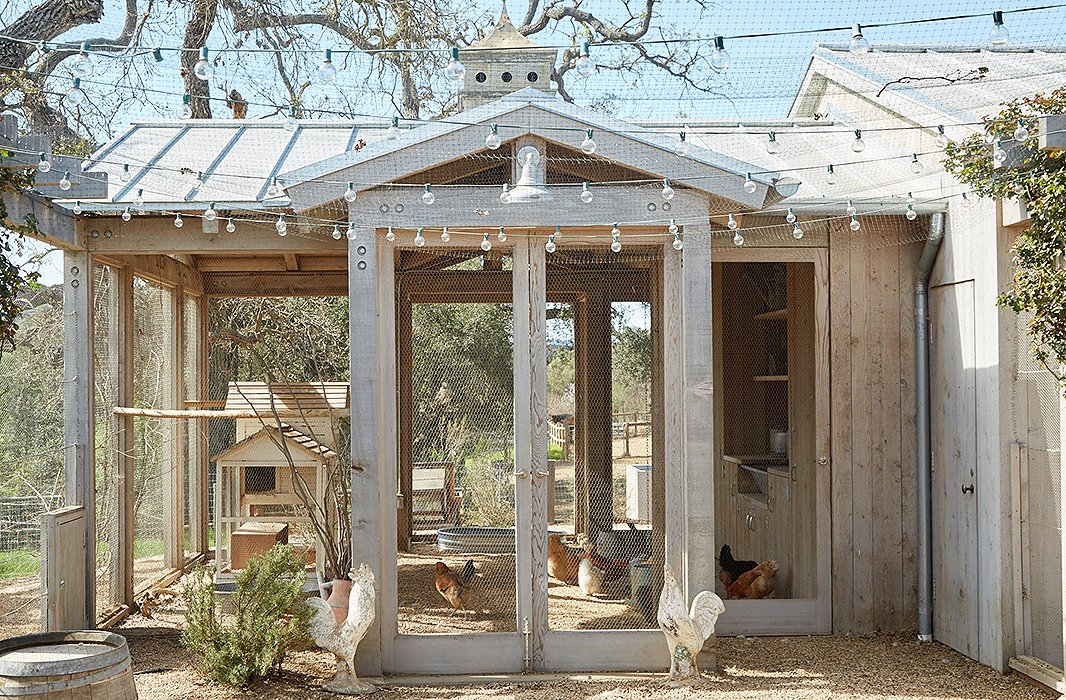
[457, 458]
[764, 364]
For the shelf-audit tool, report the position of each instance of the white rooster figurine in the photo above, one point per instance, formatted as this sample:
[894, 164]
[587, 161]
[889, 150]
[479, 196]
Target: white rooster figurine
[686, 631]
[342, 638]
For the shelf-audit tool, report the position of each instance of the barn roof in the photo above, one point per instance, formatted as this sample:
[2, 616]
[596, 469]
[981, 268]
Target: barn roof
[292, 436]
[289, 399]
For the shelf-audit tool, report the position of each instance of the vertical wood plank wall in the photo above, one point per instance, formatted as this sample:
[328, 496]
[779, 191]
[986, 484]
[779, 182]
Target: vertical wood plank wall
[873, 424]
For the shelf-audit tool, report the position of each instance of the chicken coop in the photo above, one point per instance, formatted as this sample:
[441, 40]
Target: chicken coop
[568, 338]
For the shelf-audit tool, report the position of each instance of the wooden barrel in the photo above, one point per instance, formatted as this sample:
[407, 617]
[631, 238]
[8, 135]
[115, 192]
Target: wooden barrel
[89, 665]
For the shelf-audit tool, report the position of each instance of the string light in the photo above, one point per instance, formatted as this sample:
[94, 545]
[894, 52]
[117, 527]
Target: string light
[910, 198]
[797, 232]
[584, 65]
[998, 36]
[998, 154]
[550, 245]
[64, 182]
[197, 183]
[1022, 132]
[74, 97]
[389, 235]
[281, 225]
[588, 146]
[445, 236]
[393, 132]
[77, 207]
[772, 146]
[732, 223]
[126, 216]
[668, 191]
[505, 196]
[350, 233]
[178, 223]
[501, 236]
[289, 123]
[916, 165]
[830, 175]
[336, 232]
[493, 141]
[678, 244]
[858, 44]
[349, 194]
[854, 225]
[185, 111]
[719, 57]
[681, 145]
[455, 71]
[486, 244]
[210, 214]
[203, 68]
[586, 193]
[858, 145]
[911, 214]
[941, 138]
[790, 217]
[851, 210]
[738, 238]
[43, 165]
[673, 226]
[138, 200]
[83, 65]
[157, 55]
[275, 189]
[966, 201]
[420, 240]
[428, 197]
[616, 245]
[230, 228]
[327, 72]
[125, 175]
[749, 185]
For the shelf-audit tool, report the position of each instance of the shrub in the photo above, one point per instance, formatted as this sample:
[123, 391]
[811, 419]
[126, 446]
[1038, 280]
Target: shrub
[268, 615]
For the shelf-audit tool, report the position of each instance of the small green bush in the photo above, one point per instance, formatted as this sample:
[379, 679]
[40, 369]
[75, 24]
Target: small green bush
[268, 615]
[555, 451]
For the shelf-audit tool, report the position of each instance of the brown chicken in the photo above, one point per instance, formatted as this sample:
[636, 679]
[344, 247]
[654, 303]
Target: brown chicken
[755, 584]
[612, 568]
[732, 568]
[455, 587]
[563, 562]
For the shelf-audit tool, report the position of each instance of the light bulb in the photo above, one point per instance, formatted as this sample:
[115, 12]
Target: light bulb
[673, 227]
[199, 182]
[64, 182]
[616, 245]
[719, 57]
[185, 111]
[615, 231]
[43, 165]
[668, 191]
[455, 71]
[999, 36]
[389, 235]
[281, 226]
[910, 198]
[178, 223]
[858, 145]
[941, 138]
[275, 189]
[858, 44]
[393, 132]
[1022, 132]
[851, 210]
[230, 228]
[74, 97]
[420, 240]
[998, 153]
[916, 165]
[505, 196]
[854, 225]
[911, 214]
[221, 78]
[203, 68]
[327, 72]
[966, 201]
[77, 207]
[749, 185]
[138, 201]
[126, 214]
[486, 244]
[678, 244]
[738, 239]
[428, 197]
[550, 245]
[772, 146]
[588, 146]
[797, 232]
[501, 236]
[790, 217]
[157, 55]
[989, 135]
[681, 145]
[445, 236]
[492, 141]
[210, 214]
[732, 223]
[290, 124]
[586, 193]
[830, 175]
[336, 232]
[349, 194]
[125, 175]
[584, 65]
[350, 234]
[83, 65]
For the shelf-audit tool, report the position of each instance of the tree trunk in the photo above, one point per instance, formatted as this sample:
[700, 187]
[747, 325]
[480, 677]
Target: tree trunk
[46, 21]
[201, 20]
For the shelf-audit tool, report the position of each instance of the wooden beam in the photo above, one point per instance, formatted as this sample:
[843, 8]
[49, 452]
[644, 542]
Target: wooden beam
[56, 225]
[173, 381]
[124, 434]
[600, 442]
[538, 344]
[284, 284]
[152, 233]
[79, 462]
[523, 403]
[161, 269]
[198, 429]
[1053, 132]
[625, 285]
[292, 263]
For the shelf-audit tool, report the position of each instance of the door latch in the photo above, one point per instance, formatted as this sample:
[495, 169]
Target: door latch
[968, 488]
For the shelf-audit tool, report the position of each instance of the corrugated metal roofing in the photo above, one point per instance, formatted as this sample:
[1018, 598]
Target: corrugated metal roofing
[289, 398]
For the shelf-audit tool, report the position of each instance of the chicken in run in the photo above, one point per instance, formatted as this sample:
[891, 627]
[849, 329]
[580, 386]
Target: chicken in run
[342, 638]
[732, 568]
[758, 583]
[455, 587]
[589, 576]
[686, 630]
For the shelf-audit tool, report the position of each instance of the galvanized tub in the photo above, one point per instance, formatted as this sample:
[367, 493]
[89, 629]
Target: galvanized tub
[89, 664]
[478, 540]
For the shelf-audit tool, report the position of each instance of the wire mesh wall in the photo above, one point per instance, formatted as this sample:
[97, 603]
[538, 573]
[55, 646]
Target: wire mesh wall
[764, 364]
[456, 558]
[31, 453]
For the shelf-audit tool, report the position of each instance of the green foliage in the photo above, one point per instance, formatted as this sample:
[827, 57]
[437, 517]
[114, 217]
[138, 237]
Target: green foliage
[555, 452]
[13, 277]
[268, 615]
[1038, 287]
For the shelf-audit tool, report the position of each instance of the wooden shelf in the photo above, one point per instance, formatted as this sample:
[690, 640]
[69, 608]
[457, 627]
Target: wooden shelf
[771, 378]
[772, 315]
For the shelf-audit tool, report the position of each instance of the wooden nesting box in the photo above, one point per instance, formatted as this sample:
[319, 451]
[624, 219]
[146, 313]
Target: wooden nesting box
[252, 539]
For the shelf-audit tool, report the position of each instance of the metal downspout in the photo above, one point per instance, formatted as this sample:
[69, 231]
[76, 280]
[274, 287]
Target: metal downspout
[922, 397]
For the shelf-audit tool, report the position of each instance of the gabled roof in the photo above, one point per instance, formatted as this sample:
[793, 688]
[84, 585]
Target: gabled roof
[505, 36]
[288, 398]
[539, 113]
[293, 437]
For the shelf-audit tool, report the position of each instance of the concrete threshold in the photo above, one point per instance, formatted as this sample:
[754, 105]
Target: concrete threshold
[511, 679]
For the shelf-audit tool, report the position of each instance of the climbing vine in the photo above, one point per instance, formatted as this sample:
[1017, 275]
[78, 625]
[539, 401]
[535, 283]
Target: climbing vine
[1038, 287]
[14, 278]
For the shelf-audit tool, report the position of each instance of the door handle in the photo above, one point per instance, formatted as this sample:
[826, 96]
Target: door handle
[968, 488]
[521, 474]
[541, 473]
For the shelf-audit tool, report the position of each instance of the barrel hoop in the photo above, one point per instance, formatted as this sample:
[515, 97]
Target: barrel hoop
[106, 659]
[58, 685]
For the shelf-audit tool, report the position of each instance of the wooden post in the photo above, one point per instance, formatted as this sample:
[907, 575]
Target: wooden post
[581, 414]
[123, 447]
[1062, 513]
[174, 469]
[405, 449]
[370, 406]
[599, 466]
[523, 469]
[199, 428]
[79, 463]
[543, 481]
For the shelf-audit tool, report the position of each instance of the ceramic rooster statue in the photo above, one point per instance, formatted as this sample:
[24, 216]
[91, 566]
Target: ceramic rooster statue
[342, 638]
[686, 631]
